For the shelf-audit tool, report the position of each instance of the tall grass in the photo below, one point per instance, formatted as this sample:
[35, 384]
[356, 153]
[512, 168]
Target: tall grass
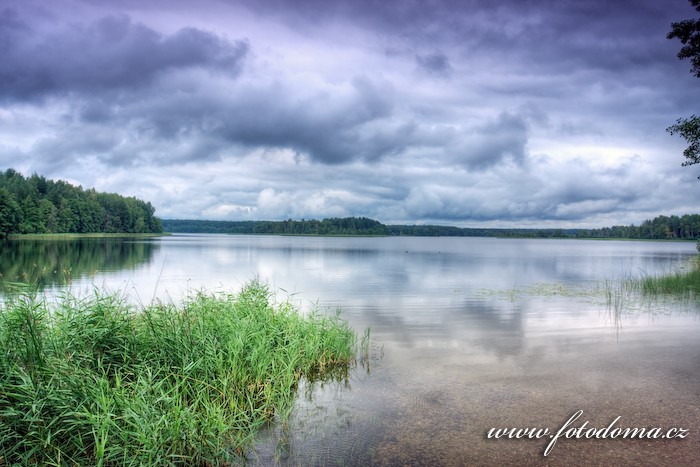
[682, 283]
[93, 381]
[680, 288]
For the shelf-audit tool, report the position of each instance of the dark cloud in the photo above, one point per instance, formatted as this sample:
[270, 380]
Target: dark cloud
[492, 143]
[435, 64]
[73, 147]
[10, 27]
[319, 139]
[527, 111]
[332, 126]
[112, 53]
[617, 36]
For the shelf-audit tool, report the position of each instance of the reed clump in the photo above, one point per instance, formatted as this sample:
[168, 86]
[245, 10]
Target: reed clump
[684, 282]
[94, 381]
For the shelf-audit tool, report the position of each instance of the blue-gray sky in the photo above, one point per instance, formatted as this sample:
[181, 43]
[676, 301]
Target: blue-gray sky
[500, 113]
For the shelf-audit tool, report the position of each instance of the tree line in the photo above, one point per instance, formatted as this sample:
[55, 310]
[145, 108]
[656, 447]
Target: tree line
[686, 227]
[332, 226]
[37, 205]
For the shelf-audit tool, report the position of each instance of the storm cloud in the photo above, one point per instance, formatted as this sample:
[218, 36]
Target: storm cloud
[111, 53]
[536, 113]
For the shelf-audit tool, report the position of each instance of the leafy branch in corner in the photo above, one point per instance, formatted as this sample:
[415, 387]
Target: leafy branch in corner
[688, 32]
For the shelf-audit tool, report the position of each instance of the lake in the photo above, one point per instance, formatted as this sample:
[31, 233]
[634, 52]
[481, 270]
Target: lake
[467, 335]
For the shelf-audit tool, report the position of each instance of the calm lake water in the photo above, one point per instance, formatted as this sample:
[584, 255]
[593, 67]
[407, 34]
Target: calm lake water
[467, 334]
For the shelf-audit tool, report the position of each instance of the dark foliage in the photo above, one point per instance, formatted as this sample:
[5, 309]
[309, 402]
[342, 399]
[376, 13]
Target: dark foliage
[334, 226]
[37, 205]
[688, 32]
[688, 129]
[686, 227]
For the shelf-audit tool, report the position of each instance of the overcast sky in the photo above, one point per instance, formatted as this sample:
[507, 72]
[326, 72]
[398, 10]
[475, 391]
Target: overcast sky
[533, 113]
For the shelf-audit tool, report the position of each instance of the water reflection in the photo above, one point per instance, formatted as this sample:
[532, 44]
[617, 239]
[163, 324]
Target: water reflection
[355, 270]
[467, 334]
[56, 262]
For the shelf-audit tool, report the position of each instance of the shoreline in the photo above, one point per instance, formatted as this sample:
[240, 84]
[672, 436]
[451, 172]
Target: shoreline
[71, 236]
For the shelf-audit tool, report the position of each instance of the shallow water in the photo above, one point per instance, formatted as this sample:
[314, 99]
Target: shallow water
[467, 334]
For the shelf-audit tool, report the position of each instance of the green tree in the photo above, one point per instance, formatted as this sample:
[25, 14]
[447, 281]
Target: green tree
[49, 215]
[689, 130]
[38, 205]
[688, 32]
[10, 213]
[31, 216]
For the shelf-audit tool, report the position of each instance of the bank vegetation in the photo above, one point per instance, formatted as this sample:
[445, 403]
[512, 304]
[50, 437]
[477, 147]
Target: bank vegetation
[93, 381]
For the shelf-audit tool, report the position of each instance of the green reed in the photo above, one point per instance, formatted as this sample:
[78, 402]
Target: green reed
[94, 381]
[684, 282]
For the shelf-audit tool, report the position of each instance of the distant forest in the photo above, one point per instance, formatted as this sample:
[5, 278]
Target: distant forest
[334, 226]
[686, 227]
[37, 205]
